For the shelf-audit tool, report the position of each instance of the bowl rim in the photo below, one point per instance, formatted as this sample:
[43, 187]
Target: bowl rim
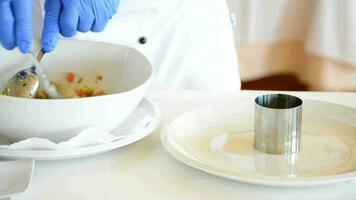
[92, 98]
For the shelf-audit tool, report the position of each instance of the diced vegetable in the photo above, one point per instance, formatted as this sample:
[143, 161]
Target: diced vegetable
[41, 95]
[85, 92]
[98, 78]
[5, 91]
[70, 77]
[80, 80]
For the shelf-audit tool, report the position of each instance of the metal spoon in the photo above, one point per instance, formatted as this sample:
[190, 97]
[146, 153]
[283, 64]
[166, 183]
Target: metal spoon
[26, 83]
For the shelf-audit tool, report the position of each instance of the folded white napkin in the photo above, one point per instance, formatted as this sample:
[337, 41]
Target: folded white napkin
[136, 123]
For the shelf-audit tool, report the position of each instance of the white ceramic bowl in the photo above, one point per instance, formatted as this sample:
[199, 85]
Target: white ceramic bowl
[126, 76]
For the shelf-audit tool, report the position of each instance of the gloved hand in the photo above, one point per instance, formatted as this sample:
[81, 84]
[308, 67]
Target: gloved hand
[69, 16]
[16, 24]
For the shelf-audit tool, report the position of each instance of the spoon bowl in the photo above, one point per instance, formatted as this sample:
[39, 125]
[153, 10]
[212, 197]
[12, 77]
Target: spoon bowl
[28, 82]
[23, 84]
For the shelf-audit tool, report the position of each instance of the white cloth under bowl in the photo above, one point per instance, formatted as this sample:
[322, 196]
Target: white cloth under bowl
[90, 136]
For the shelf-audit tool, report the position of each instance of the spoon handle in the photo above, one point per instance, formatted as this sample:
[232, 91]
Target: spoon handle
[40, 55]
[47, 85]
[41, 73]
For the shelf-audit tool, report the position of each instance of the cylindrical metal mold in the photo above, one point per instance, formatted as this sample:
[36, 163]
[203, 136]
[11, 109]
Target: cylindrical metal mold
[277, 128]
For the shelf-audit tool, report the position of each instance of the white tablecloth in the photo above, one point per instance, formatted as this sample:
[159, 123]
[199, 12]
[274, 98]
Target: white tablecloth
[144, 170]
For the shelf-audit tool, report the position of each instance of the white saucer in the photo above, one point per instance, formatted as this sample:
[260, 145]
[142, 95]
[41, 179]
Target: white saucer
[148, 105]
[218, 139]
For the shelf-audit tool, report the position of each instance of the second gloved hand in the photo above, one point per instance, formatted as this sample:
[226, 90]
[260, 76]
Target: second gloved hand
[16, 24]
[69, 16]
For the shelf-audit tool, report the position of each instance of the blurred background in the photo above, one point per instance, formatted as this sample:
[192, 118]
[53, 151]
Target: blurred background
[296, 44]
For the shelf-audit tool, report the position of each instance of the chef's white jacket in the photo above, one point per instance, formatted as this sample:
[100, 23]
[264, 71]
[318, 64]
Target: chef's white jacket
[189, 42]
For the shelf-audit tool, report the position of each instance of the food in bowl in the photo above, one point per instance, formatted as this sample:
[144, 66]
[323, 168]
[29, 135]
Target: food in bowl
[73, 88]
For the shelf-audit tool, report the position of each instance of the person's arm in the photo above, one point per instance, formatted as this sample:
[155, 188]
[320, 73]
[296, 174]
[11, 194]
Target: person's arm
[16, 24]
[66, 17]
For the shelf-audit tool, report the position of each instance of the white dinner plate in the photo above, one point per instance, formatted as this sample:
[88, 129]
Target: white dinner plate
[132, 137]
[15, 177]
[218, 139]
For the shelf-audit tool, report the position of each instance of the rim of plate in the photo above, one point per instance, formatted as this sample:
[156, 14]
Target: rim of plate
[85, 151]
[174, 151]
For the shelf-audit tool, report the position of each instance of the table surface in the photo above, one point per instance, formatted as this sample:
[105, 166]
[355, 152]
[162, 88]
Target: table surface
[144, 170]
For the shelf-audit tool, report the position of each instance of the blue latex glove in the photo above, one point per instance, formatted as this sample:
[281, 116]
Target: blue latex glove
[16, 24]
[69, 16]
